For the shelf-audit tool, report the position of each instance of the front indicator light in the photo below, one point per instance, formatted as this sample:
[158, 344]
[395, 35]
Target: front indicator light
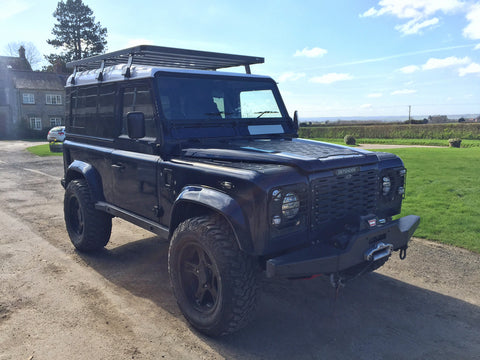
[386, 185]
[276, 220]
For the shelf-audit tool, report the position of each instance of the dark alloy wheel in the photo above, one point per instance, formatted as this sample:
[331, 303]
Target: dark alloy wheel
[215, 283]
[89, 229]
[199, 277]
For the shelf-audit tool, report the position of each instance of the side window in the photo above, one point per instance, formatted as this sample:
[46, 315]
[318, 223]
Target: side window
[138, 98]
[92, 111]
[106, 111]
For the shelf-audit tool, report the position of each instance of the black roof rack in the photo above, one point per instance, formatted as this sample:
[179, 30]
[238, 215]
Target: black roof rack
[165, 57]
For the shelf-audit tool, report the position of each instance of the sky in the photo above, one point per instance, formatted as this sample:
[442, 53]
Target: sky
[330, 58]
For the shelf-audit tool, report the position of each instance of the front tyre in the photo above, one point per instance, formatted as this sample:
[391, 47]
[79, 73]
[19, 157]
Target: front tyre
[214, 282]
[89, 229]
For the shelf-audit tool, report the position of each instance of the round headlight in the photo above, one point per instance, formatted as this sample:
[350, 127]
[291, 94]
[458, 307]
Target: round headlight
[386, 185]
[290, 205]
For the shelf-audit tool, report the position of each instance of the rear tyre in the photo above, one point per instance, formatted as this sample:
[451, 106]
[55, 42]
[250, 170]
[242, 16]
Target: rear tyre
[215, 283]
[89, 229]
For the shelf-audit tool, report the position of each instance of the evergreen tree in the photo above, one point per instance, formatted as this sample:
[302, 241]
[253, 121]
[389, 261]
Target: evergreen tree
[76, 32]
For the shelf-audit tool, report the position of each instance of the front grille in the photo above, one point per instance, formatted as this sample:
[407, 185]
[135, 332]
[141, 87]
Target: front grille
[343, 197]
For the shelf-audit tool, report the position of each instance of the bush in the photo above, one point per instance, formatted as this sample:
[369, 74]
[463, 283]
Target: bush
[349, 140]
[455, 142]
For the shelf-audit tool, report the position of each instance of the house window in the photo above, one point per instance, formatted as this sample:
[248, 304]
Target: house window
[36, 123]
[28, 98]
[55, 121]
[52, 99]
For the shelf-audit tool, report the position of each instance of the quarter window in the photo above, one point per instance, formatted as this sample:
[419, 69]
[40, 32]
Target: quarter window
[28, 98]
[53, 99]
[138, 98]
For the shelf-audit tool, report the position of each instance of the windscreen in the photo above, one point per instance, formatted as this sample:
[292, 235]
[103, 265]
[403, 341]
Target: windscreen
[217, 98]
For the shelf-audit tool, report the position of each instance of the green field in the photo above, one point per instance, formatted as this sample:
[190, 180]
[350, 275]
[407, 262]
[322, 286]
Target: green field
[42, 150]
[427, 142]
[443, 188]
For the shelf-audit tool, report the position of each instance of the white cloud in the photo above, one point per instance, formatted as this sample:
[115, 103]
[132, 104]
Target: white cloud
[473, 68]
[403, 92]
[472, 31]
[418, 12]
[311, 53]
[331, 78]
[366, 106]
[290, 76]
[414, 26]
[434, 63]
[12, 8]
[375, 95]
[409, 69]
[477, 47]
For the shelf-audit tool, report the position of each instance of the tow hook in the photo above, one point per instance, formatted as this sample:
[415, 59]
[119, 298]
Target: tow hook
[403, 252]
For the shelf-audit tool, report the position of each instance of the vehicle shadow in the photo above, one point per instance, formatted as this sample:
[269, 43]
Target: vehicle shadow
[373, 317]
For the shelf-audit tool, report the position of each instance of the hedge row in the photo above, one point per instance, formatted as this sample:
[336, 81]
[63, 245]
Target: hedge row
[397, 131]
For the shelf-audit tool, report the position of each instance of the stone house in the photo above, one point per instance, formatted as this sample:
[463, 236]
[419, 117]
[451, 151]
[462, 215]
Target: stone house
[29, 99]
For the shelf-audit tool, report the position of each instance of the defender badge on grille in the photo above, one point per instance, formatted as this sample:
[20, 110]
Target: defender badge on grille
[347, 171]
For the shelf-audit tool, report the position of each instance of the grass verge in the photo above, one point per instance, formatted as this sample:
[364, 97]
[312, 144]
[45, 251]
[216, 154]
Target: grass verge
[443, 189]
[42, 150]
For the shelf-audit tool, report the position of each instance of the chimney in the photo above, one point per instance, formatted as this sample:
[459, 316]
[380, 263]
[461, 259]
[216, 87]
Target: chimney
[21, 52]
[57, 67]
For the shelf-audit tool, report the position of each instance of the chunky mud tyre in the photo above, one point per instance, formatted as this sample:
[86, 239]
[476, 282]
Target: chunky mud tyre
[214, 282]
[89, 229]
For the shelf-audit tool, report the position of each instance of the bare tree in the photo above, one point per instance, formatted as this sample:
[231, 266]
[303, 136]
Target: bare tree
[31, 52]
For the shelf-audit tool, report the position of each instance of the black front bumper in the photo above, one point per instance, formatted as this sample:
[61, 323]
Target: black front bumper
[325, 258]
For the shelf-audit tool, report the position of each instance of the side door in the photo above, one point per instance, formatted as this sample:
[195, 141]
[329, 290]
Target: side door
[134, 162]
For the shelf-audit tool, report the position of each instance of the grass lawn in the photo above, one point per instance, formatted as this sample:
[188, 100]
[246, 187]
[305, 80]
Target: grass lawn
[443, 188]
[43, 150]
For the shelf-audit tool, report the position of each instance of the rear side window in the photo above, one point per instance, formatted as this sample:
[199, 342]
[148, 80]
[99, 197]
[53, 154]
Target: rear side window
[93, 111]
[138, 98]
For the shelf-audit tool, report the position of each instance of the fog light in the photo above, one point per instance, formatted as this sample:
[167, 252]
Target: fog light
[290, 205]
[401, 190]
[387, 185]
[276, 220]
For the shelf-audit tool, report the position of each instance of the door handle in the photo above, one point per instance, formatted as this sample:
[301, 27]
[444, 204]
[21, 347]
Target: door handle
[119, 166]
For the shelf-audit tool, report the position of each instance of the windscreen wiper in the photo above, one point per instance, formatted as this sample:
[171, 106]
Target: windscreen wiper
[265, 112]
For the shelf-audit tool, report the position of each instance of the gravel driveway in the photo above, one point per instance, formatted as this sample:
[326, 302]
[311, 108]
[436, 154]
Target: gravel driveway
[56, 303]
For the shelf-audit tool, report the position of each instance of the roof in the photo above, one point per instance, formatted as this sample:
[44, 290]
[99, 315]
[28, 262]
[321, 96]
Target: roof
[35, 80]
[15, 63]
[167, 57]
[117, 73]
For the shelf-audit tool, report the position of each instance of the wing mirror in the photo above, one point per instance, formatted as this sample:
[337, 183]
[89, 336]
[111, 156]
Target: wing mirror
[136, 125]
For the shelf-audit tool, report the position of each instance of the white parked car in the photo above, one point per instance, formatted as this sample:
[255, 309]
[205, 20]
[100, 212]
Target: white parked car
[56, 134]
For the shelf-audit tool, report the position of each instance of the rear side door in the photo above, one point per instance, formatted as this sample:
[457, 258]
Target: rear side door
[135, 162]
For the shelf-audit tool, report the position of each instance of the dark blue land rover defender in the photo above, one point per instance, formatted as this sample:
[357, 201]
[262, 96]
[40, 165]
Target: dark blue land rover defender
[212, 161]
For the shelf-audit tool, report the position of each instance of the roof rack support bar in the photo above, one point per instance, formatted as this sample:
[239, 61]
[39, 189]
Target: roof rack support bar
[247, 69]
[100, 74]
[127, 73]
[73, 75]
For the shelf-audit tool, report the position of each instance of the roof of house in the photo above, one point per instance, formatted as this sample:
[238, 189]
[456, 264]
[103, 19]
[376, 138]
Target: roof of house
[35, 80]
[14, 63]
